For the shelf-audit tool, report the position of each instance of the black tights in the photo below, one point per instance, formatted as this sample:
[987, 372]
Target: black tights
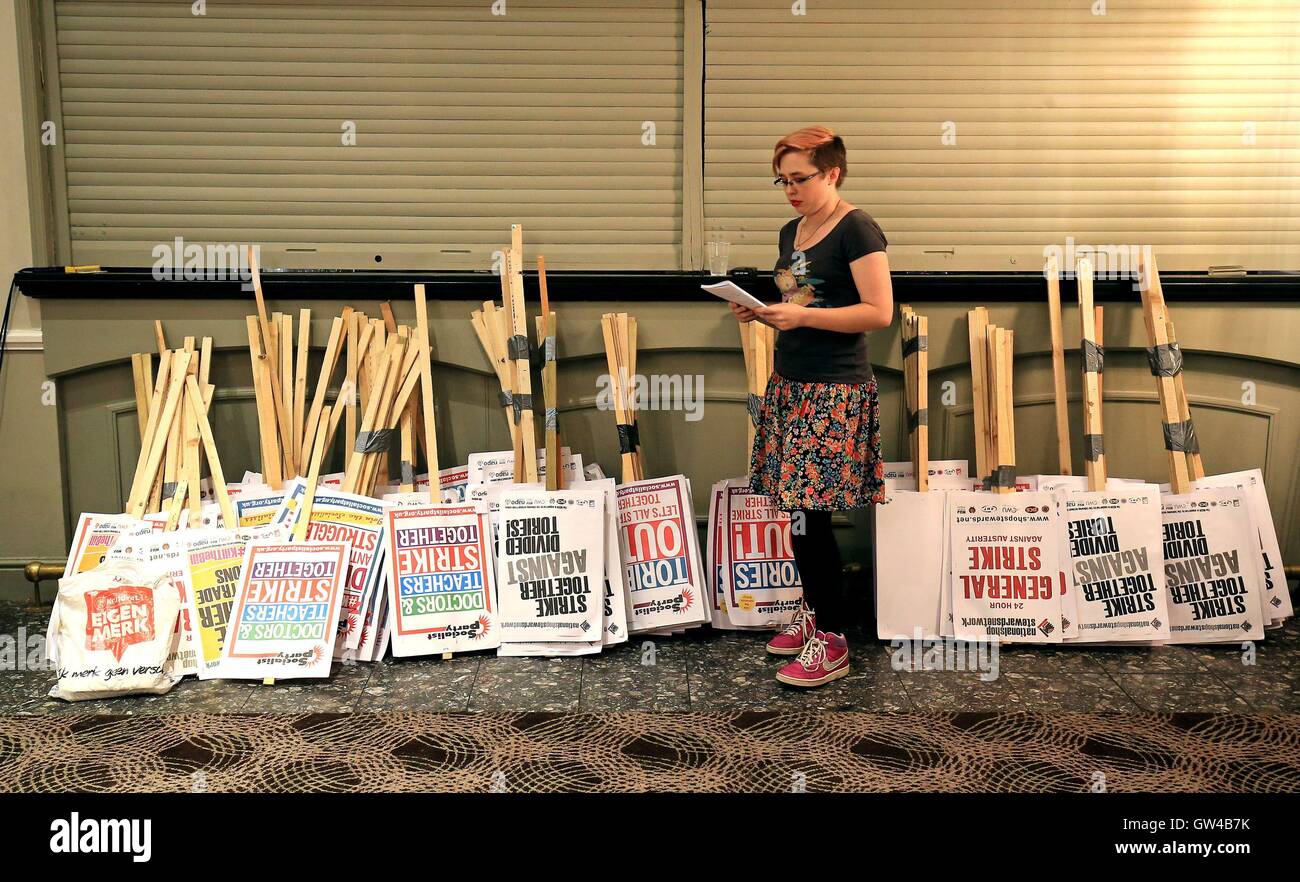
[817, 555]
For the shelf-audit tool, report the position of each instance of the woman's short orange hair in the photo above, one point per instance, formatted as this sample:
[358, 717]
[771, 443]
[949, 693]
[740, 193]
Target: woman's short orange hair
[825, 150]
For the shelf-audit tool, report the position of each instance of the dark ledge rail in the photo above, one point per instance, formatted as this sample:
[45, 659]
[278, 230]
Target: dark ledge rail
[626, 286]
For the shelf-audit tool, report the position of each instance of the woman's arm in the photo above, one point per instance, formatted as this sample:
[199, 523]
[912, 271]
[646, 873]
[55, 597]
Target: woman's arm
[871, 277]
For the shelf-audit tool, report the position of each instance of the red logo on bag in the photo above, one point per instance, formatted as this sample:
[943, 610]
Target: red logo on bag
[119, 617]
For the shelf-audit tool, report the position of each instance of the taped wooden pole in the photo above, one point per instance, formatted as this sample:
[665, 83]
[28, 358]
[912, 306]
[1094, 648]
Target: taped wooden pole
[523, 397]
[1166, 362]
[1094, 453]
[920, 419]
[1195, 465]
[1053, 273]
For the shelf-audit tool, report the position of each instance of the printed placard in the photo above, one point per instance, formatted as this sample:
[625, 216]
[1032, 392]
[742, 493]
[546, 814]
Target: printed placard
[212, 569]
[1112, 557]
[257, 511]
[167, 552]
[1005, 567]
[761, 579]
[212, 564]
[286, 611]
[551, 565]
[1276, 597]
[440, 589]
[1212, 567]
[93, 537]
[342, 517]
[660, 554]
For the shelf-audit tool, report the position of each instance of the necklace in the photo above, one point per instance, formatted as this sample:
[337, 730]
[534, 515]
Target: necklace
[818, 227]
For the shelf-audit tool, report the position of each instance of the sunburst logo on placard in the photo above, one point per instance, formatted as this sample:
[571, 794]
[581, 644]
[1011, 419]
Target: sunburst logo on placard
[483, 626]
[687, 598]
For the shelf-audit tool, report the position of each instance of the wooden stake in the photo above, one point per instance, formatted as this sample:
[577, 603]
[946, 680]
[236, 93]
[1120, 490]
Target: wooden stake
[267, 435]
[326, 373]
[1053, 273]
[977, 323]
[151, 450]
[228, 517]
[159, 337]
[140, 370]
[300, 383]
[313, 478]
[350, 376]
[425, 355]
[277, 395]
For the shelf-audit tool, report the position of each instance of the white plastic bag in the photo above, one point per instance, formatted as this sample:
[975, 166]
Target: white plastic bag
[116, 626]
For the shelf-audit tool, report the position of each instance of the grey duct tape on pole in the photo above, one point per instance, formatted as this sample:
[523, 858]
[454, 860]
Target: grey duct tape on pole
[521, 403]
[1181, 437]
[1093, 447]
[916, 344]
[918, 418]
[1093, 357]
[1003, 476]
[408, 473]
[1165, 359]
[628, 438]
[373, 442]
[755, 407]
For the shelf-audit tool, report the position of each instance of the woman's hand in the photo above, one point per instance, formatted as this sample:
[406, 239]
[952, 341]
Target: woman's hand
[783, 316]
[743, 313]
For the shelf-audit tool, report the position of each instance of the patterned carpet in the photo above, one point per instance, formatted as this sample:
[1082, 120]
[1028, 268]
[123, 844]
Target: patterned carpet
[632, 752]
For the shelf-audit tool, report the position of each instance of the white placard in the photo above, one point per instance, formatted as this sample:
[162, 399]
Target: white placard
[1212, 567]
[551, 565]
[1112, 557]
[1005, 567]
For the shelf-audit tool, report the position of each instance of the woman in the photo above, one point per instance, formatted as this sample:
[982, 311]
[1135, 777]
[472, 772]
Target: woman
[817, 446]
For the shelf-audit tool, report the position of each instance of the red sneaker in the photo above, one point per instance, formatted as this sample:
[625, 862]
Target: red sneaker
[791, 641]
[824, 658]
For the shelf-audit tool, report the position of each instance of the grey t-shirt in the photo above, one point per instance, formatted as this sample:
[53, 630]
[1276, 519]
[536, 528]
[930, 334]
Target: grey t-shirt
[823, 279]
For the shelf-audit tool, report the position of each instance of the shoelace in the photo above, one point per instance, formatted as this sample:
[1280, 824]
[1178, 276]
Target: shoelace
[801, 618]
[814, 653]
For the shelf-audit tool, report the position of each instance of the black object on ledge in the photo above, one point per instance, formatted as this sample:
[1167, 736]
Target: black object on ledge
[626, 286]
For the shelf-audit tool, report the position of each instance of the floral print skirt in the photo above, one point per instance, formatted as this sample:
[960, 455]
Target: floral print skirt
[817, 445]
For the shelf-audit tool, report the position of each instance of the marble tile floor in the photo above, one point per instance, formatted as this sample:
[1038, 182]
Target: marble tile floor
[720, 671]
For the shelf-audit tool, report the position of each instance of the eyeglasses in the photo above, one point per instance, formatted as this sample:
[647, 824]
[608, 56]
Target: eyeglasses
[797, 180]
